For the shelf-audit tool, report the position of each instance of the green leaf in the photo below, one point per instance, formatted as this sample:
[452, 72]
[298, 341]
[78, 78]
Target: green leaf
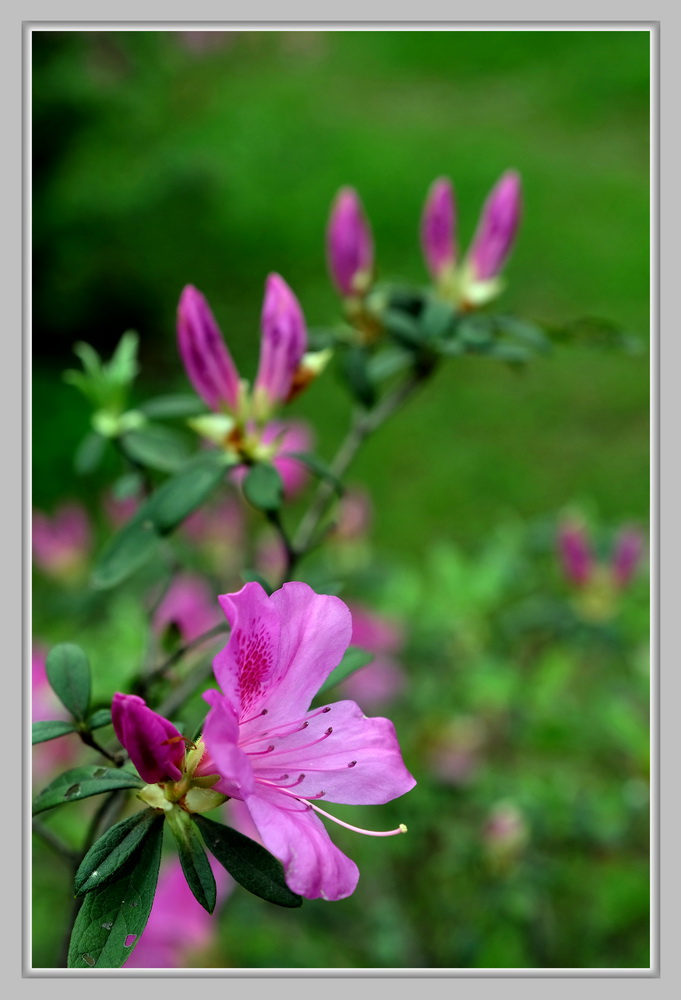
[437, 319]
[390, 361]
[515, 354]
[403, 328]
[113, 915]
[319, 467]
[247, 862]
[157, 447]
[81, 782]
[102, 717]
[527, 333]
[89, 453]
[123, 367]
[176, 405]
[68, 671]
[104, 859]
[475, 332]
[354, 659]
[253, 576]
[355, 369]
[43, 731]
[195, 864]
[263, 487]
[185, 491]
[126, 551]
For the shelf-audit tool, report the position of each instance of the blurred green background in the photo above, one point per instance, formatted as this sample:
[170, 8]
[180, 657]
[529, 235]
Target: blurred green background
[166, 158]
[158, 165]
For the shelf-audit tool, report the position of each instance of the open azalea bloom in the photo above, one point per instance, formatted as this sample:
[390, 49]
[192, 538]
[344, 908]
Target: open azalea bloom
[279, 757]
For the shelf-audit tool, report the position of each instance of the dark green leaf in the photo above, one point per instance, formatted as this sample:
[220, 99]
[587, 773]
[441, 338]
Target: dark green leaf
[475, 332]
[319, 467]
[102, 717]
[195, 864]
[102, 862]
[437, 319]
[43, 731]
[354, 659]
[403, 328]
[111, 919]
[355, 368]
[89, 453]
[185, 491]
[263, 487]
[157, 447]
[390, 361]
[513, 353]
[175, 405]
[527, 333]
[128, 485]
[126, 551]
[81, 782]
[247, 862]
[68, 671]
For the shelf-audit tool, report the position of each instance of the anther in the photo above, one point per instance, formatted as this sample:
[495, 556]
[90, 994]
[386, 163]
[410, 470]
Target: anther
[327, 709]
[329, 731]
[352, 763]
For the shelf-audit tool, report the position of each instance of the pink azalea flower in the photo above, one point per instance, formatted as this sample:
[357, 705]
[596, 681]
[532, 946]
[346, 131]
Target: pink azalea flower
[61, 543]
[277, 755]
[438, 226]
[497, 227]
[155, 746]
[627, 556]
[350, 247]
[190, 605]
[383, 678]
[575, 552]
[178, 926]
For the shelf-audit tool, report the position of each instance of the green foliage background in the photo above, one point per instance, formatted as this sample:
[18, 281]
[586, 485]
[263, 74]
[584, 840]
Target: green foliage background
[156, 165]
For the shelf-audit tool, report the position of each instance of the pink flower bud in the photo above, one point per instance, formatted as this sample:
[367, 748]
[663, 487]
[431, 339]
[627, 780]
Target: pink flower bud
[627, 556]
[206, 359]
[283, 343]
[575, 553]
[438, 225]
[155, 746]
[496, 229]
[350, 248]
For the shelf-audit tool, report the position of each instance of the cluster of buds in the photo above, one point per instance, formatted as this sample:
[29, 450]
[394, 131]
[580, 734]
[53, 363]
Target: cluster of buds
[598, 582]
[476, 279]
[241, 421]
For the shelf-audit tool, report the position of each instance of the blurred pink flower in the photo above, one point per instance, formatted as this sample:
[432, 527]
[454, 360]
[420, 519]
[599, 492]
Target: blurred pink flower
[627, 556]
[580, 565]
[178, 926]
[61, 543]
[190, 605]
[383, 678]
[438, 228]
[455, 751]
[497, 227]
[354, 515]
[575, 552]
[119, 510]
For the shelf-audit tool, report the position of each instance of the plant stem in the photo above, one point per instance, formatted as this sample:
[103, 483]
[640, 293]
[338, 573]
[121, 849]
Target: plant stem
[191, 683]
[363, 426]
[182, 651]
[68, 856]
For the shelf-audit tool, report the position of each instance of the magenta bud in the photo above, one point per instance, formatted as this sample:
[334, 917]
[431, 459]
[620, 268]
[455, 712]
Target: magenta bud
[208, 363]
[438, 225]
[154, 745]
[349, 244]
[575, 553]
[283, 343]
[496, 229]
[627, 556]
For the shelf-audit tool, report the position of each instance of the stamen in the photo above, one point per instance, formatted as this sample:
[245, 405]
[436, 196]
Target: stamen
[291, 749]
[348, 826]
[254, 717]
[352, 763]
[275, 731]
[259, 753]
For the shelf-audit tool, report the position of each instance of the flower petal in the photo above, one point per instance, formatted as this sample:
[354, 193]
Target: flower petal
[280, 651]
[147, 737]
[221, 736]
[314, 866]
[350, 758]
